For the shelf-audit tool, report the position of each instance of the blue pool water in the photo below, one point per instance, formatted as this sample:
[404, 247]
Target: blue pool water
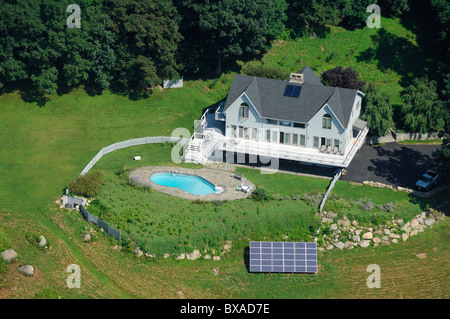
[194, 185]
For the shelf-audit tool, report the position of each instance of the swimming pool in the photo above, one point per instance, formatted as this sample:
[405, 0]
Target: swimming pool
[191, 184]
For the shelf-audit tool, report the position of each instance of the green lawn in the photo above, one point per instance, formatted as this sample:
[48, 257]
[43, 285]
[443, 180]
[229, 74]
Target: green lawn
[43, 148]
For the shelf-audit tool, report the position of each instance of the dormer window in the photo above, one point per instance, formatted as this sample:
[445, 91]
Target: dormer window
[326, 122]
[243, 111]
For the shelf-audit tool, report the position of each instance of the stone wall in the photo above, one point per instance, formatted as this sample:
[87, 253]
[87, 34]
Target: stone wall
[398, 137]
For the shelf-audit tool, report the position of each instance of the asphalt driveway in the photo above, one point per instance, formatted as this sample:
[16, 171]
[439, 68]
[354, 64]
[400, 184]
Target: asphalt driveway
[394, 164]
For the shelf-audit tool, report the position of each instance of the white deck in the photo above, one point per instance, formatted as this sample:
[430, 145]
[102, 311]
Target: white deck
[202, 145]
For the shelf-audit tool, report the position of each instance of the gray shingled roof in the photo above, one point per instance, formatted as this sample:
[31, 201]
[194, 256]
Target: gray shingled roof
[267, 95]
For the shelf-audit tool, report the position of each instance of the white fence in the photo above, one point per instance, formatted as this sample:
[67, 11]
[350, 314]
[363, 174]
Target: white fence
[330, 187]
[132, 142]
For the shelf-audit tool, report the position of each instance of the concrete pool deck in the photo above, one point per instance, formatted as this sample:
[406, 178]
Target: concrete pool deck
[221, 178]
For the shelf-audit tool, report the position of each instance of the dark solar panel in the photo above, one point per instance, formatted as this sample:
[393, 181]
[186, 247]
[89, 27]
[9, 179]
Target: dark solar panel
[283, 257]
[292, 90]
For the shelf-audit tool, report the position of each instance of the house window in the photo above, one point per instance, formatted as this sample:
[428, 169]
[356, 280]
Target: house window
[302, 140]
[274, 136]
[316, 142]
[299, 125]
[255, 134]
[286, 138]
[326, 122]
[269, 121]
[283, 123]
[243, 111]
[336, 143]
[267, 137]
[246, 135]
[241, 131]
[233, 130]
[295, 139]
[328, 142]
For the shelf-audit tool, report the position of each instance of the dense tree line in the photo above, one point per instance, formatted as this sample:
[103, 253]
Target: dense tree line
[126, 43]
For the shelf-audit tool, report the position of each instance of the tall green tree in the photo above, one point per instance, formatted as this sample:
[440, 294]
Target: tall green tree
[376, 110]
[345, 78]
[422, 110]
[148, 37]
[316, 15]
[223, 29]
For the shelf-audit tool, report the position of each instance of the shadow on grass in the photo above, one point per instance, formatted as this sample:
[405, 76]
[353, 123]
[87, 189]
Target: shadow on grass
[398, 54]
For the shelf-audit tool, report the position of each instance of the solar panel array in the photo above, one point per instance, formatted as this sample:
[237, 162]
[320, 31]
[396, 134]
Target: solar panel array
[283, 257]
[292, 90]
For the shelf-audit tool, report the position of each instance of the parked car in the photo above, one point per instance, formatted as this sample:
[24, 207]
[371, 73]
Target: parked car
[427, 180]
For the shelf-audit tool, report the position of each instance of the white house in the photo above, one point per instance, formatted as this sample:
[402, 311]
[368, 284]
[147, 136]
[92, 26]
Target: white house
[298, 119]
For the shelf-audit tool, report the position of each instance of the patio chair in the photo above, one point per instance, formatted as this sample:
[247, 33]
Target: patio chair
[328, 151]
[336, 150]
[322, 149]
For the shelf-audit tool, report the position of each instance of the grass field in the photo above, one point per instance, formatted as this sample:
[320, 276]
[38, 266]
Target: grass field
[388, 57]
[44, 147]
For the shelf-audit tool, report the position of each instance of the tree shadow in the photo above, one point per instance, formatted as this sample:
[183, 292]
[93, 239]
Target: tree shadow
[390, 52]
[400, 166]
[246, 258]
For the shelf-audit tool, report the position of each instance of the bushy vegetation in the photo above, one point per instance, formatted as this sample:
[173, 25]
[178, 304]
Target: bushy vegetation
[184, 225]
[87, 185]
[263, 71]
[260, 195]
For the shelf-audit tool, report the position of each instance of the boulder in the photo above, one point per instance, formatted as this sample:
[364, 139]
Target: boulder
[216, 258]
[395, 240]
[344, 222]
[207, 256]
[182, 256]
[194, 255]
[413, 232]
[339, 245]
[331, 215]
[9, 255]
[138, 252]
[429, 221]
[385, 242]
[215, 271]
[43, 241]
[356, 238]
[330, 247]
[376, 240]
[326, 220]
[364, 243]
[334, 226]
[367, 235]
[415, 223]
[395, 236]
[27, 270]
[87, 238]
[421, 256]
[349, 245]
[405, 237]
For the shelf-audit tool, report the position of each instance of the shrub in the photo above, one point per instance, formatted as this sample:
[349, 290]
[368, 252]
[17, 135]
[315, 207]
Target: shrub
[263, 71]
[3, 266]
[87, 185]
[34, 239]
[260, 195]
